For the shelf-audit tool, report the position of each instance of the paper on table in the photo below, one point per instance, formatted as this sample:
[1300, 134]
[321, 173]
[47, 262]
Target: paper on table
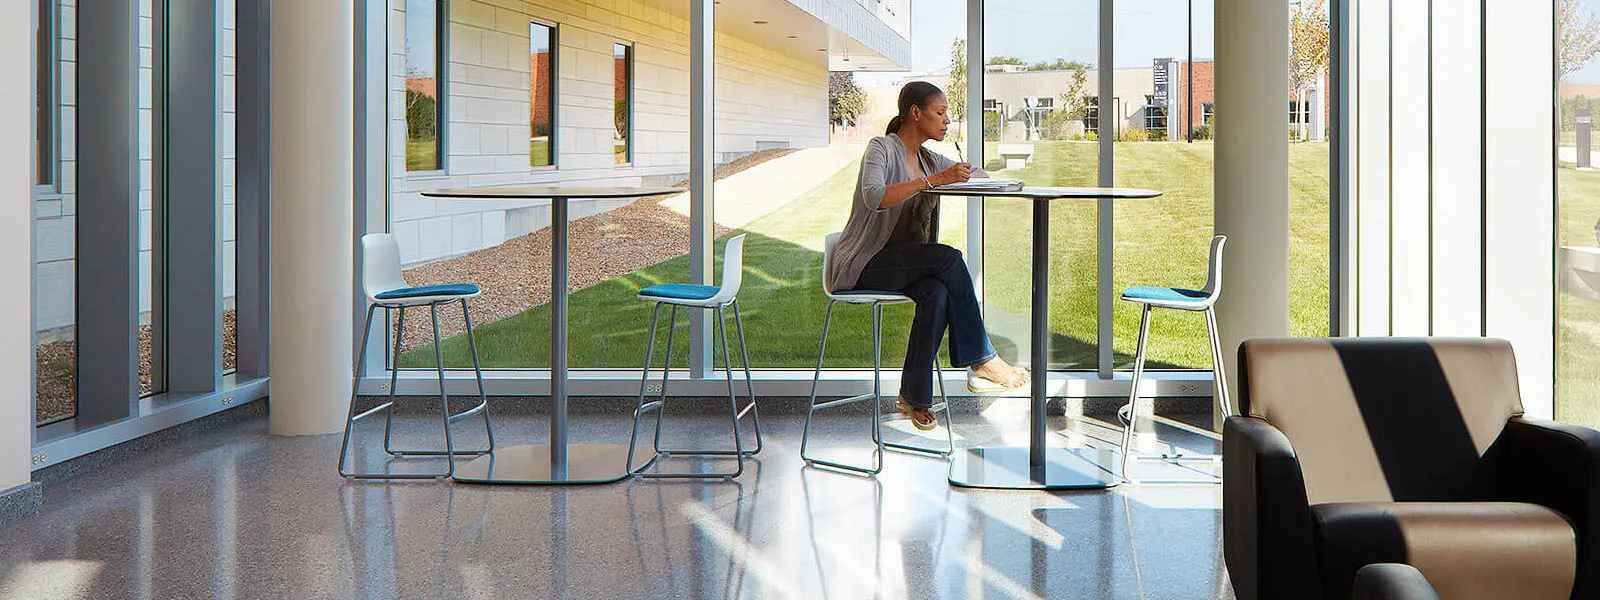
[1003, 185]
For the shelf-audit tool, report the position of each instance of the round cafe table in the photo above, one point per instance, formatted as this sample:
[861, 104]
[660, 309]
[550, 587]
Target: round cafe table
[558, 462]
[1038, 465]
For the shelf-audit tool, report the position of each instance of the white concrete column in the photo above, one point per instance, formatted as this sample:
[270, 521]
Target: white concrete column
[1252, 171]
[312, 91]
[16, 237]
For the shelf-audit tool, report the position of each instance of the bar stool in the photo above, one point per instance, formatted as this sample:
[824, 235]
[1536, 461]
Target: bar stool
[698, 297]
[1186, 300]
[877, 300]
[386, 288]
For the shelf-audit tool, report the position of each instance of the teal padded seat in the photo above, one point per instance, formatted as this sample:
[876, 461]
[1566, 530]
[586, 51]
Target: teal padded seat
[1153, 294]
[446, 289]
[678, 291]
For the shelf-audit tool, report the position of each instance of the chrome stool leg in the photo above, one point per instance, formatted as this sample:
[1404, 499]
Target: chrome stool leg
[1131, 408]
[483, 400]
[387, 406]
[736, 414]
[812, 407]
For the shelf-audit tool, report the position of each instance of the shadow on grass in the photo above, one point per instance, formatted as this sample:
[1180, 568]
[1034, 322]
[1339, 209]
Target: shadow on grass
[781, 301]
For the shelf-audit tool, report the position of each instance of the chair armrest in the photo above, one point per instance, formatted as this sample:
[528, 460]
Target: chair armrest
[1391, 581]
[1266, 522]
[1557, 465]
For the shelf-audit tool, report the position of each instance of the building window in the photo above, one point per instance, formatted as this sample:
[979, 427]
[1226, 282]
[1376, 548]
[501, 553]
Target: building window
[1208, 112]
[424, 86]
[541, 95]
[1091, 113]
[622, 76]
[1155, 119]
[45, 95]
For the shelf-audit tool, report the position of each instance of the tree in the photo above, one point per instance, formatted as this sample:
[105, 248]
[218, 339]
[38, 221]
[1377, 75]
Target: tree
[1006, 60]
[1308, 44]
[1579, 33]
[1059, 64]
[957, 94]
[846, 102]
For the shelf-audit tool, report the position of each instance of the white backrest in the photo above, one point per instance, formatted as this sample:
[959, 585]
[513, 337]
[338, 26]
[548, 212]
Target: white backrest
[827, 261]
[380, 265]
[1214, 276]
[732, 270]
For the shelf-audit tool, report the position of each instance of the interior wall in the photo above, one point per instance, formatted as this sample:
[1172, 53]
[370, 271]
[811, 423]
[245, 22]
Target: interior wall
[1454, 217]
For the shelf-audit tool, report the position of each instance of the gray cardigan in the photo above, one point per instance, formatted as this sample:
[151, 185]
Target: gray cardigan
[870, 227]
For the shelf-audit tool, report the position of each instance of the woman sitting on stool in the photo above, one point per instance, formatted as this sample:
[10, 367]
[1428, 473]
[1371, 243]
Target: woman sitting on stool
[889, 245]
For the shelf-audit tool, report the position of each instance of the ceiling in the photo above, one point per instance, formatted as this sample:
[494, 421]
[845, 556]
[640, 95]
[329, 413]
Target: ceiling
[781, 23]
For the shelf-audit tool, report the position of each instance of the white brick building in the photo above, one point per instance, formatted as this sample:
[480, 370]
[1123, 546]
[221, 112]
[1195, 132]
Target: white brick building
[773, 58]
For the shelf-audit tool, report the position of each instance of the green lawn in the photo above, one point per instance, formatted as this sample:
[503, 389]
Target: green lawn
[1159, 242]
[1578, 319]
[539, 152]
[422, 155]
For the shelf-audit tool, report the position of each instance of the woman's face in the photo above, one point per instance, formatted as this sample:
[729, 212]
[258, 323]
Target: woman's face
[932, 120]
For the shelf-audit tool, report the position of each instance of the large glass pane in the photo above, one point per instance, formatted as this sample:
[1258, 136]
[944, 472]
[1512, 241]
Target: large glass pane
[1165, 70]
[1578, 214]
[1040, 106]
[228, 123]
[423, 110]
[150, 250]
[541, 94]
[787, 179]
[1311, 133]
[55, 271]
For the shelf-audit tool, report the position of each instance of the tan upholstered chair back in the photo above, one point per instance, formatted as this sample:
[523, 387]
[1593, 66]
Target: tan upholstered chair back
[1384, 419]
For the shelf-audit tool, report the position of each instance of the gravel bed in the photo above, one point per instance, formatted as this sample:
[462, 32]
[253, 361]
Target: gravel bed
[55, 374]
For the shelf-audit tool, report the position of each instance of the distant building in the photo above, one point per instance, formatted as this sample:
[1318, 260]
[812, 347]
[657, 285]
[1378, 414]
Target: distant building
[1143, 98]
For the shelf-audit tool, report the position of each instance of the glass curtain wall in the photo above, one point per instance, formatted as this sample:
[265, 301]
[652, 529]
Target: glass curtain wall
[1041, 79]
[1578, 213]
[787, 197]
[625, 124]
[1165, 67]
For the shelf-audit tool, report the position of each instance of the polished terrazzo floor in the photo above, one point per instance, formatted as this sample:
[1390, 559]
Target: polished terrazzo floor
[235, 513]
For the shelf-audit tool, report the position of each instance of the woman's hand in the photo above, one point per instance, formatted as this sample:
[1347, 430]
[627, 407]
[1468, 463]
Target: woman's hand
[957, 173]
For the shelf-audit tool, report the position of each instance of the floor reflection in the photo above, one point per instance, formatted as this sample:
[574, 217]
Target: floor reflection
[233, 513]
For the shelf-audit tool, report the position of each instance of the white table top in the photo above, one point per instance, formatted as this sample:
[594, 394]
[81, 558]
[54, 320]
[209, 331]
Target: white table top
[1051, 193]
[552, 192]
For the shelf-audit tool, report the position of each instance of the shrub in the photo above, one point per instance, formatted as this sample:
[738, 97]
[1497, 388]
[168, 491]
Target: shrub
[1202, 132]
[422, 116]
[1091, 135]
[991, 126]
[1132, 134]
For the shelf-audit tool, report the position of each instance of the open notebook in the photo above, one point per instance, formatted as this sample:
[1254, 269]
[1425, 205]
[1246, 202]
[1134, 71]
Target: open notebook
[983, 185]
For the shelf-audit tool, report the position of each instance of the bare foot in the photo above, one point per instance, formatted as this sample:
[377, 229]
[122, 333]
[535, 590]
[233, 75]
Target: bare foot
[1001, 372]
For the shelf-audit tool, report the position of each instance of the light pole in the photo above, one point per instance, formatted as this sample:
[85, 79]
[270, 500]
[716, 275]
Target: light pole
[1188, 109]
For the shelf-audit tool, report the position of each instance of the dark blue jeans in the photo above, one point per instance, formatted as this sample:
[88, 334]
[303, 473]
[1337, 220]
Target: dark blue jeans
[935, 277]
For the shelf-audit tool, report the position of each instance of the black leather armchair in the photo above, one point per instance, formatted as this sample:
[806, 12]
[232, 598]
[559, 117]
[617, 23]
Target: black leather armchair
[1350, 452]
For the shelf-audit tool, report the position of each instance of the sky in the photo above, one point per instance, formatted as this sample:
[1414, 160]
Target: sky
[1039, 30]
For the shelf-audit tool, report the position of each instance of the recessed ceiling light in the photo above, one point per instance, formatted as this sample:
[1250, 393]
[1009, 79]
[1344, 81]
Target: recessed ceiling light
[822, 49]
[794, 37]
[760, 22]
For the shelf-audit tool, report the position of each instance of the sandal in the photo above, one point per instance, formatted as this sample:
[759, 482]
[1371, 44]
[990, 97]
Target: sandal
[932, 423]
[979, 384]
